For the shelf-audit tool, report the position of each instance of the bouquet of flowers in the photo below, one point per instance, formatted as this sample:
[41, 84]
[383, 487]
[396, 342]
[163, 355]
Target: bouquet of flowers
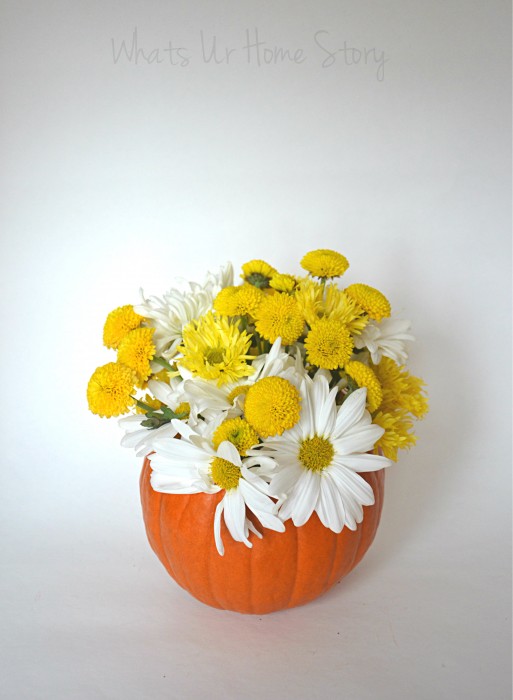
[283, 390]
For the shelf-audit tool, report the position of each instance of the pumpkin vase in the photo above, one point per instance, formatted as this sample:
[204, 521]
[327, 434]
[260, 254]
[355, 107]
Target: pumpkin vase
[280, 571]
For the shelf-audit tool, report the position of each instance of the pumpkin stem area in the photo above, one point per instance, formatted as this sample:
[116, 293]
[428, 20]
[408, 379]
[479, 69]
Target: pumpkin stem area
[224, 473]
[316, 453]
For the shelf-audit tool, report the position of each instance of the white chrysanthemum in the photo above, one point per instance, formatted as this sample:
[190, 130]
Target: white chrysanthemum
[169, 314]
[192, 465]
[208, 399]
[141, 438]
[320, 457]
[385, 338]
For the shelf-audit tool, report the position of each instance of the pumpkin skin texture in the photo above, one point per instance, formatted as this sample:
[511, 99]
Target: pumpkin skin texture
[281, 570]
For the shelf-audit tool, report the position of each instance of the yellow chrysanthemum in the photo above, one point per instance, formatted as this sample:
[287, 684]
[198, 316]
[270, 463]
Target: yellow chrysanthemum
[258, 273]
[119, 322]
[328, 344]
[150, 401]
[401, 389]
[328, 301]
[365, 377]
[109, 390]
[279, 316]
[324, 263]
[397, 435]
[136, 350]
[282, 283]
[238, 301]
[372, 301]
[272, 405]
[214, 348]
[237, 431]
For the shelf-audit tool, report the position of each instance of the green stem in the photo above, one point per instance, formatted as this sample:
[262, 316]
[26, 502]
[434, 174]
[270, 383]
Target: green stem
[164, 363]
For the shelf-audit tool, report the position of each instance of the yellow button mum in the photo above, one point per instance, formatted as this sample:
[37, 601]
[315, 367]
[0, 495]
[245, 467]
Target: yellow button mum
[279, 316]
[398, 432]
[238, 301]
[282, 283]
[328, 344]
[119, 322]
[136, 350]
[272, 406]
[371, 300]
[258, 273]
[109, 390]
[365, 377]
[237, 431]
[324, 263]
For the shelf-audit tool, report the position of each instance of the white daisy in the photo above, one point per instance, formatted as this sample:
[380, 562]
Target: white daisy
[320, 457]
[385, 338]
[192, 465]
[169, 314]
[141, 438]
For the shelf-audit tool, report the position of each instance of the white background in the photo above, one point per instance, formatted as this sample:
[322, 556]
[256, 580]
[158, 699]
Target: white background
[116, 176]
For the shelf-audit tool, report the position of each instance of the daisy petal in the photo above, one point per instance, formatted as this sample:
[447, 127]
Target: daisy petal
[351, 411]
[217, 527]
[235, 515]
[301, 503]
[363, 462]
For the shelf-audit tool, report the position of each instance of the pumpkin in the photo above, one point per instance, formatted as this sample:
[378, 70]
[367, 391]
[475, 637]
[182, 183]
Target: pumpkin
[281, 570]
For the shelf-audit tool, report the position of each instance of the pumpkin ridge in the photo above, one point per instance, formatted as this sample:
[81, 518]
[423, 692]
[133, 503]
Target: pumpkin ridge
[327, 585]
[167, 562]
[182, 578]
[296, 557]
[249, 587]
[212, 552]
[368, 529]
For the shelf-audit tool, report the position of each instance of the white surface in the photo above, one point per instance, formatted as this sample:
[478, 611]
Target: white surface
[116, 176]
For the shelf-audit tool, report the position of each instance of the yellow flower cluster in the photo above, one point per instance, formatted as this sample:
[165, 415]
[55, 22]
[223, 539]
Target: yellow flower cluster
[403, 399]
[319, 324]
[111, 387]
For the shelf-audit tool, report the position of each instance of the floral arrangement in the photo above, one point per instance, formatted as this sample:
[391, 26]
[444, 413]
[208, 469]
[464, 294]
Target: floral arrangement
[281, 388]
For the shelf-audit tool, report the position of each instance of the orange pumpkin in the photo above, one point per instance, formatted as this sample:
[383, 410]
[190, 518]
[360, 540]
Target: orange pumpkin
[280, 571]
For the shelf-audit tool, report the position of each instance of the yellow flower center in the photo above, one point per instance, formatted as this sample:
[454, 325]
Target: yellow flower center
[237, 431]
[272, 405]
[316, 453]
[183, 409]
[214, 355]
[224, 473]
